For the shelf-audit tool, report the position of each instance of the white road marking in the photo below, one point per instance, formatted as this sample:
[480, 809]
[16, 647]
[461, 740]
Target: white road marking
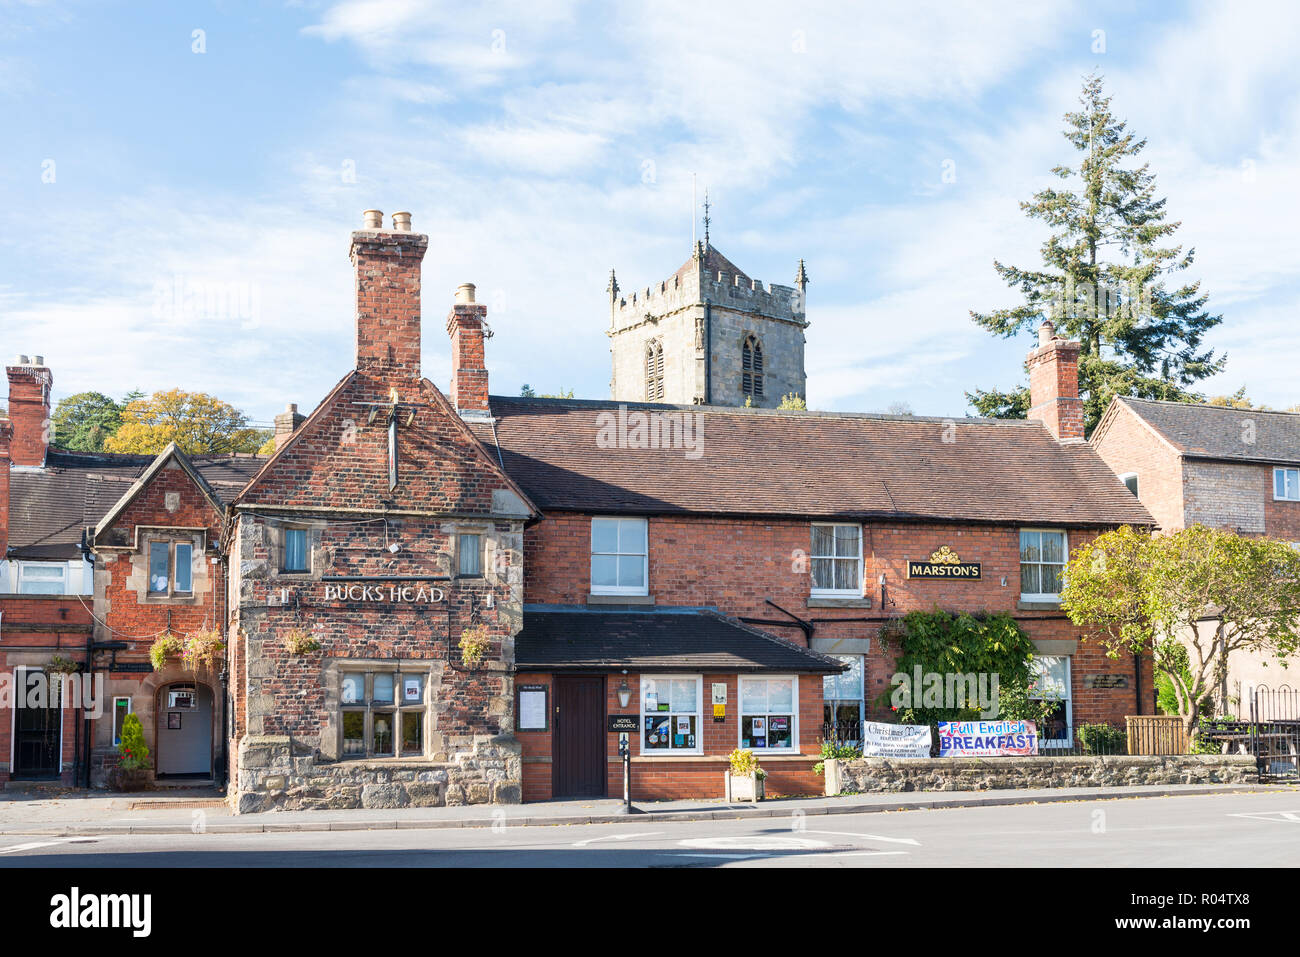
[871, 837]
[757, 842]
[33, 845]
[862, 853]
[1292, 817]
[615, 837]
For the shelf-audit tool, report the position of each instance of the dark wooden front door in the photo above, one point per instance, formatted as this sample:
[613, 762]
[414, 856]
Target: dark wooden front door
[36, 728]
[578, 737]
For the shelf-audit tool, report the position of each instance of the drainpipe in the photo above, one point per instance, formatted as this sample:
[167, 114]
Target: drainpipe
[224, 776]
[85, 768]
[708, 352]
[1137, 680]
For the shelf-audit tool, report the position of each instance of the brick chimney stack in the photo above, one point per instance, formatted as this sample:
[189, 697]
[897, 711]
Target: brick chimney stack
[29, 410]
[469, 375]
[1054, 384]
[286, 423]
[387, 263]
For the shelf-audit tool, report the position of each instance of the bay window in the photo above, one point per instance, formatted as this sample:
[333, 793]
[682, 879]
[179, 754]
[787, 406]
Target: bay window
[767, 714]
[670, 715]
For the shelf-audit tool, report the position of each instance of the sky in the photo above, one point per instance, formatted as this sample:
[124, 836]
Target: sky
[180, 179]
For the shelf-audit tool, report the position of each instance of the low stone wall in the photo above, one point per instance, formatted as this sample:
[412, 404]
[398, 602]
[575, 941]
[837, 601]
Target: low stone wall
[271, 777]
[865, 775]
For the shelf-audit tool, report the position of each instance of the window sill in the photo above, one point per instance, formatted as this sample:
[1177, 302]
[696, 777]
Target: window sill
[594, 599]
[832, 601]
[1030, 604]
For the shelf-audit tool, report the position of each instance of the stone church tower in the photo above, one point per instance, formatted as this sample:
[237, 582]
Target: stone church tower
[709, 335]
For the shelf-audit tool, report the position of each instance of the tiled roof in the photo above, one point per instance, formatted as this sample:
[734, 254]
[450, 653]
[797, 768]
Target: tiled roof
[663, 639]
[1219, 432]
[808, 464]
[49, 508]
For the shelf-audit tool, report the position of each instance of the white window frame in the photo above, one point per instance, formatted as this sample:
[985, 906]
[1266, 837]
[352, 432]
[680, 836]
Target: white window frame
[816, 592]
[61, 566]
[130, 709]
[1065, 554]
[172, 591]
[642, 714]
[1295, 484]
[306, 551]
[860, 693]
[794, 715]
[644, 589]
[1068, 699]
[1125, 480]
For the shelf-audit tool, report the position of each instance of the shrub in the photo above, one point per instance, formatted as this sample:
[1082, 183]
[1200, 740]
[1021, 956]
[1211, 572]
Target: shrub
[834, 749]
[132, 752]
[1102, 739]
[744, 764]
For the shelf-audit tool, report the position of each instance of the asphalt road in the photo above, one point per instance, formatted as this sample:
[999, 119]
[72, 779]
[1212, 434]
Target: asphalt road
[1230, 830]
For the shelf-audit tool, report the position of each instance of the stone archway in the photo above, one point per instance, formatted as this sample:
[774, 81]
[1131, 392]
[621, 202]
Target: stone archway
[184, 727]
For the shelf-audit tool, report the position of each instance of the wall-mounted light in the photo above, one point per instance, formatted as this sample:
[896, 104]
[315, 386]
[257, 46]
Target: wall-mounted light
[624, 692]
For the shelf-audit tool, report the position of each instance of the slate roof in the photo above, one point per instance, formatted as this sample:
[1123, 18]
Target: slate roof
[50, 508]
[809, 464]
[557, 637]
[1215, 432]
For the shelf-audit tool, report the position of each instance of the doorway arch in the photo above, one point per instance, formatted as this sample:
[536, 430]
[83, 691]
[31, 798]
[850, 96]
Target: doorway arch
[184, 729]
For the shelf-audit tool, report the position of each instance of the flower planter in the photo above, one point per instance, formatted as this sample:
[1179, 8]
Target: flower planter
[744, 787]
[130, 779]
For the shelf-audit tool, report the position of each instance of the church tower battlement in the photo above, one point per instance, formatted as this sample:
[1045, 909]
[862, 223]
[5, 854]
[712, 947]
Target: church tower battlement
[708, 335]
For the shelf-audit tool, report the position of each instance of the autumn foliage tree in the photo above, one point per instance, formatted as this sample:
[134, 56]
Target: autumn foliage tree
[198, 423]
[1207, 591]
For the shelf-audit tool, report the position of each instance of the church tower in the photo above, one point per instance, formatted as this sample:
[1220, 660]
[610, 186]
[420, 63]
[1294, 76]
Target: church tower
[708, 335]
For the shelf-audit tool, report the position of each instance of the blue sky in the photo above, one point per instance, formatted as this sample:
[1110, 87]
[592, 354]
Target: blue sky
[541, 143]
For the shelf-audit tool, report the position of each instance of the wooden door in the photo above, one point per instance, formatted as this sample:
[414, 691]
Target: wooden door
[578, 763]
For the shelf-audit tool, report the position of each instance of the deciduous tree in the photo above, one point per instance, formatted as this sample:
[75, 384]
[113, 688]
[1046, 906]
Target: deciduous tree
[198, 423]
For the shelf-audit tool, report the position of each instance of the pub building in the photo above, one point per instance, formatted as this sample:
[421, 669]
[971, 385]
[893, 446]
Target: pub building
[436, 599]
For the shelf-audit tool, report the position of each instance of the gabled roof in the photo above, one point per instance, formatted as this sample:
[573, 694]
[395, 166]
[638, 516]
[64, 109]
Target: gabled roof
[169, 454]
[559, 637]
[1221, 432]
[50, 508]
[767, 462]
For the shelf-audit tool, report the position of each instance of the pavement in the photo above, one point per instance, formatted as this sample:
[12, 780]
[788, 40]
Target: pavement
[1201, 834]
[60, 812]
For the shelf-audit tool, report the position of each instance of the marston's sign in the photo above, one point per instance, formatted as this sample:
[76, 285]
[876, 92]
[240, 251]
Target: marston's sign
[944, 563]
[412, 594]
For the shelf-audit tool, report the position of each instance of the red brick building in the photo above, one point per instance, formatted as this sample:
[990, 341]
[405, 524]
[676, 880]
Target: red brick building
[434, 599]
[1235, 469]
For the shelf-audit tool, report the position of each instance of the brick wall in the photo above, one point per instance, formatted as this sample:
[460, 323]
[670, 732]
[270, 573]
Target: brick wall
[1128, 445]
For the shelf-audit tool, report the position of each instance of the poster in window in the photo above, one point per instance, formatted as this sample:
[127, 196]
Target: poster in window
[174, 720]
[780, 724]
[651, 701]
[760, 728]
[683, 724]
[411, 690]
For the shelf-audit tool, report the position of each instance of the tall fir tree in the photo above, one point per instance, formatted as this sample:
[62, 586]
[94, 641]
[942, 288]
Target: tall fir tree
[1104, 278]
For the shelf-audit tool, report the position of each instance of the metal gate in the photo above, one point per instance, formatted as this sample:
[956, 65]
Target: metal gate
[1275, 732]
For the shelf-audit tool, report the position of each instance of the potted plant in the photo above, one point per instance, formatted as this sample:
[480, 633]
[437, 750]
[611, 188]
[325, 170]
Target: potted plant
[474, 643]
[165, 646]
[199, 650]
[132, 770]
[300, 642]
[745, 778]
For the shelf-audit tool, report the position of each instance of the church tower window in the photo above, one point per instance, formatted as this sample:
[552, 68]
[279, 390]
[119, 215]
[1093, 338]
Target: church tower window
[654, 371]
[751, 366]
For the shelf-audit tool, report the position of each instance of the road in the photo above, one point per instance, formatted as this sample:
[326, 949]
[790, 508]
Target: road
[1229, 830]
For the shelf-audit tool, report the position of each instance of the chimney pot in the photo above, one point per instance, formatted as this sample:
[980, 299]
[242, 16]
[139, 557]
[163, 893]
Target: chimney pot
[38, 360]
[402, 222]
[373, 219]
[21, 360]
[465, 292]
[1046, 332]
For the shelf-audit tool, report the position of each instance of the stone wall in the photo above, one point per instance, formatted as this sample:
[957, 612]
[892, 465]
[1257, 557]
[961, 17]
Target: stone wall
[276, 774]
[983, 774]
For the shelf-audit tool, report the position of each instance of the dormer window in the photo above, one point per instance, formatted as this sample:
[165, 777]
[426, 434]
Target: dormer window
[751, 367]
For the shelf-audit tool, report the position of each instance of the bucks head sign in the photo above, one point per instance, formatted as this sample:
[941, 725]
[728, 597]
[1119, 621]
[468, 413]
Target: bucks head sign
[944, 563]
